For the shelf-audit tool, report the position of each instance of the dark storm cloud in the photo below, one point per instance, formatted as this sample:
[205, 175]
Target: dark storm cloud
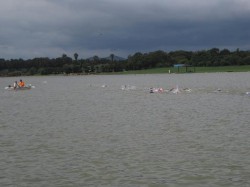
[99, 27]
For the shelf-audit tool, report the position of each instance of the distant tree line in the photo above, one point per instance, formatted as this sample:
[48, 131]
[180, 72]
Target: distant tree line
[138, 61]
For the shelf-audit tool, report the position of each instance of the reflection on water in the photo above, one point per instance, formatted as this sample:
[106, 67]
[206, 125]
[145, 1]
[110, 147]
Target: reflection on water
[73, 131]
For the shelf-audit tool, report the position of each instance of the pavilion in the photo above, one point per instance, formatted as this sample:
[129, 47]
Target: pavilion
[188, 68]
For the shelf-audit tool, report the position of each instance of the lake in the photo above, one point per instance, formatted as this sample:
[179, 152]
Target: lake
[74, 131]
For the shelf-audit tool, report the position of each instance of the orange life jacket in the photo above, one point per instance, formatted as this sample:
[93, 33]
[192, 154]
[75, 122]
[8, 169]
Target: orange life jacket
[21, 84]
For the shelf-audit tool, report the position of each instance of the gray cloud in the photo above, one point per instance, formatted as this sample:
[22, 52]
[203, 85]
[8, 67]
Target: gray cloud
[52, 27]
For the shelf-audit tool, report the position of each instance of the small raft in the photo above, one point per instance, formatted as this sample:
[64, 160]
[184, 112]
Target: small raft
[11, 88]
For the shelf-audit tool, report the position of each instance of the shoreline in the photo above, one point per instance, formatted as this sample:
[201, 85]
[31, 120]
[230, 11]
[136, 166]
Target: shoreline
[164, 70]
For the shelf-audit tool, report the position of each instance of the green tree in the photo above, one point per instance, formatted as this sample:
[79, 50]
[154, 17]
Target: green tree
[76, 56]
[112, 57]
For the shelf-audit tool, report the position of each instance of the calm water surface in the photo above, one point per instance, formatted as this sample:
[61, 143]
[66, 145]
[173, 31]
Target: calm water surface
[71, 131]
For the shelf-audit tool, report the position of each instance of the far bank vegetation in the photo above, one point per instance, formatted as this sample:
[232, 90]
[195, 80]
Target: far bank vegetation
[139, 61]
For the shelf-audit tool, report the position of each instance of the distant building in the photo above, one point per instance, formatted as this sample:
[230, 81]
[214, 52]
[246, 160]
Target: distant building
[188, 68]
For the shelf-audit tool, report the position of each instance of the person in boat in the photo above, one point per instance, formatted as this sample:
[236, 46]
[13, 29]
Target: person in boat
[15, 85]
[21, 83]
[160, 90]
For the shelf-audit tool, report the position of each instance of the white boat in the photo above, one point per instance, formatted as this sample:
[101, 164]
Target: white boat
[11, 88]
[128, 87]
[156, 90]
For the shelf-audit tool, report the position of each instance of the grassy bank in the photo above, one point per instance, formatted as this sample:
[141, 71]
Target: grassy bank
[245, 68]
[190, 70]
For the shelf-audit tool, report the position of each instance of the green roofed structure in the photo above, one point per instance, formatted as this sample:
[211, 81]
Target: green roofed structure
[188, 68]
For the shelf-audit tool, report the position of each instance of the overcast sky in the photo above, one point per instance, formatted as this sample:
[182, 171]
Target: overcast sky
[49, 28]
